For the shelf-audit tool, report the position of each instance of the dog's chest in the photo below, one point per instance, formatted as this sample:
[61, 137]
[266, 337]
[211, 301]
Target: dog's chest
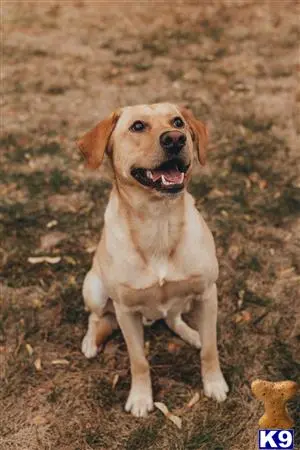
[164, 292]
[163, 270]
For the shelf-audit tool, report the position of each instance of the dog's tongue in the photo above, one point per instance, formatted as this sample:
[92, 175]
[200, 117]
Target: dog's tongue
[171, 175]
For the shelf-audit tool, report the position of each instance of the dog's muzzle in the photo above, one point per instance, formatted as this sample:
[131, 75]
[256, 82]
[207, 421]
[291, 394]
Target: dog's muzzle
[172, 142]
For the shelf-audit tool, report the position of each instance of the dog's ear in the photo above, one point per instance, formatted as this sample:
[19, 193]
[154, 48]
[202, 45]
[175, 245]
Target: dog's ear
[94, 143]
[199, 133]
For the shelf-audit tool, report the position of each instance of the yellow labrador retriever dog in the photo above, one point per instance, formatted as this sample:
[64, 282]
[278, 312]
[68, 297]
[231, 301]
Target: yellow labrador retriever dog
[156, 257]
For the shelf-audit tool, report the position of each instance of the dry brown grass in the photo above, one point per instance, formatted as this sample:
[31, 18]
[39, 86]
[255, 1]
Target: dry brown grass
[67, 64]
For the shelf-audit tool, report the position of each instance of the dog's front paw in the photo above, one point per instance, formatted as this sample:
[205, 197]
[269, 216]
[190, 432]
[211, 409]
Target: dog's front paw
[89, 347]
[139, 402]
[215, 386]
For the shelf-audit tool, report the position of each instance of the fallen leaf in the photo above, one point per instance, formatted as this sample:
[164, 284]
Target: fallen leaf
[241, 295]
[175, 419]
[195, 399]
[254, 177]
[29, 349]
[147, 348]
[91, 249]
[248, 183]
[70, 260]
[72, 280]
[243, 316]
[215, 193]
[50, 240]
[39, 420]
[115, 380]
[38, 364]
[287, 271]
[70, 203]
[36, 303]
[173, 347]
[41, 259]
[262, 184]
[60, 362]
[233, 252]
[52, 223]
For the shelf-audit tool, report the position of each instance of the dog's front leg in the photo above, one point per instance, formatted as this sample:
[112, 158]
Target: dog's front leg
[140, 398]
[213, 381]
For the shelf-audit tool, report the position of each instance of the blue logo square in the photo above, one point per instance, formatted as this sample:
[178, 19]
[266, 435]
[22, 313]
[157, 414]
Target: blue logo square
[275, 439]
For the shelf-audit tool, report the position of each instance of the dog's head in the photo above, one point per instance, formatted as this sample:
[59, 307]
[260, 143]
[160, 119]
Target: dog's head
[149, 146]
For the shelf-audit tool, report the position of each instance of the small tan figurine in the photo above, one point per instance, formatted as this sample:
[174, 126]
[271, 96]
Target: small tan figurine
[275, 395]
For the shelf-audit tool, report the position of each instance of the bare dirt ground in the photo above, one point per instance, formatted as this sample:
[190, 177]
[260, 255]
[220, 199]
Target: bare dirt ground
[65, 66]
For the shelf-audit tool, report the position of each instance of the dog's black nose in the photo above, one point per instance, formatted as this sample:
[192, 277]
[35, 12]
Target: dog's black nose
[172, 141]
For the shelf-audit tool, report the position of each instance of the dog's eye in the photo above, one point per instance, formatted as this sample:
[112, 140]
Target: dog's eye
[137, 126]
[178, 122]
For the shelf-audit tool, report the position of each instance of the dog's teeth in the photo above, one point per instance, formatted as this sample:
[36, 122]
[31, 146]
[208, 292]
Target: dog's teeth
[149, 174]
[166, 182]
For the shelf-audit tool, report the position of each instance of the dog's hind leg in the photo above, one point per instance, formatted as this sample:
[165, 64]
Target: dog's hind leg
[99, 329]
[187, 334]
[101, 322]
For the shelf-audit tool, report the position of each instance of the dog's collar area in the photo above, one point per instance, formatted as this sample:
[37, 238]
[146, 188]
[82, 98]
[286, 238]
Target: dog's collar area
[169, 177]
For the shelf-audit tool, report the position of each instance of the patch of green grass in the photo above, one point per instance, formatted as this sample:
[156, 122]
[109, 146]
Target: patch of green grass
[143, 437]
[220, 52]
[253, 156]
[181, 367]
[125, 51]
[108, 43]
[96, 439]
[182, 36]
[36, 183]
[235, 373]
[58, 179]
[102, 393]
[142, 66]
[13, 212]
[174, 74]
[57, 90]
[198, 439]
[200, 189]
[72, 304]
[55, 394]
[216, 33]
[177, 395]
[39, 183]
[212, 31]
[155, 47]
[8, 141]
[39, 52]
[16, 152]
[281, 362]
[50, 148]
[19, 87]
[250, 262]
[251, 297]
[17, 155]
[256, 125]
[287, 204]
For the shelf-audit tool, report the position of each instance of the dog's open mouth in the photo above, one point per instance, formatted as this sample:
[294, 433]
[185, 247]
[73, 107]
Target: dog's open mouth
[168, 177]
